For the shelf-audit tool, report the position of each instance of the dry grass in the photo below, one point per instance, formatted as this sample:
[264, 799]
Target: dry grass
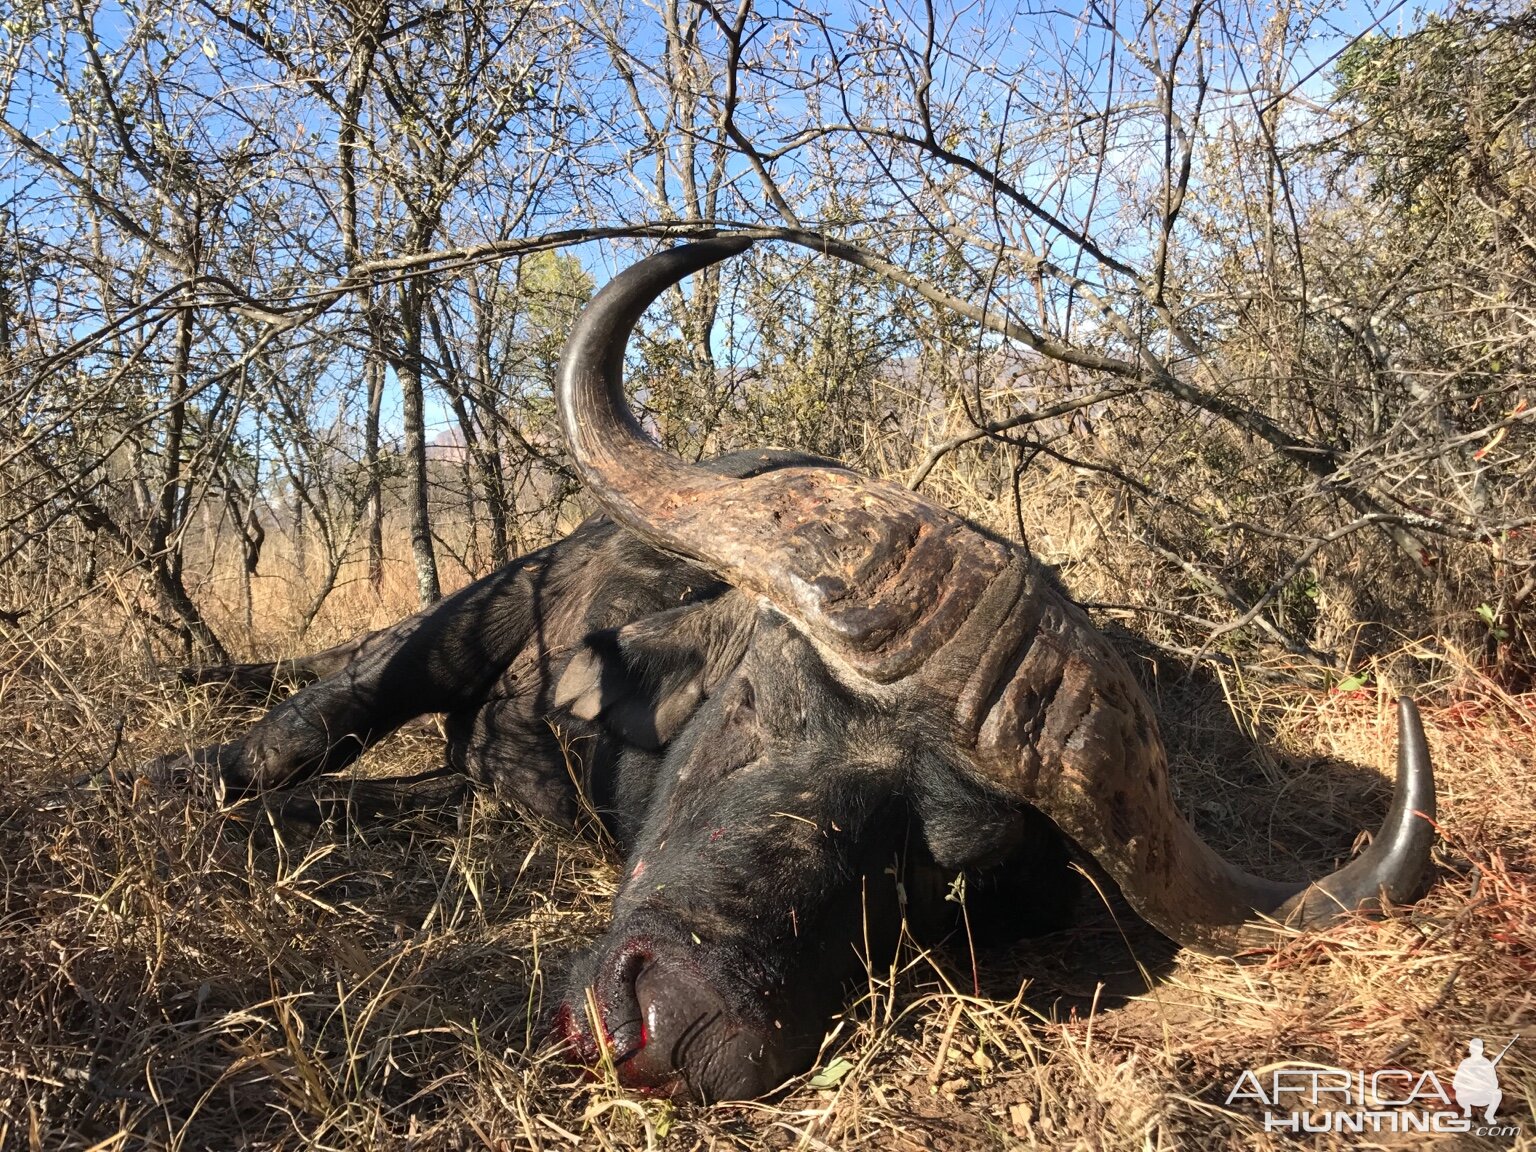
[173, 975]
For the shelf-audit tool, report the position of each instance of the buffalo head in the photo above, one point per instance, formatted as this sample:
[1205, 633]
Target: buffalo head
[878, 663]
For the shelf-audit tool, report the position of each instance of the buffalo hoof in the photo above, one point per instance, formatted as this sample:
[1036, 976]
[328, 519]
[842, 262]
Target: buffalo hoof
[178, 772]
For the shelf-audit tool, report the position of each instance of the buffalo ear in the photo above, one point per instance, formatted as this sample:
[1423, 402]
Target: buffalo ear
[644, 681]
[579, 690]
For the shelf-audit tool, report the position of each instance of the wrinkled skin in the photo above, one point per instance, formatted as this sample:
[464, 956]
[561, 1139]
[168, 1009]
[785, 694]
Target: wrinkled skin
[765, 812]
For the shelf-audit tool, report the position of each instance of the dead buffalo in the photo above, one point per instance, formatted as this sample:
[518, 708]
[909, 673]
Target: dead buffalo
[780, 676]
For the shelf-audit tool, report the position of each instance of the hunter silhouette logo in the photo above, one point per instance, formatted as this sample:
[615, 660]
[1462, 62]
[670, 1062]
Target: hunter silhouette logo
[1317, 1099]
[1477, 1083]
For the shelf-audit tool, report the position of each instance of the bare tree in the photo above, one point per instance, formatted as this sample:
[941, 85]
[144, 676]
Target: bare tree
[1253, 294]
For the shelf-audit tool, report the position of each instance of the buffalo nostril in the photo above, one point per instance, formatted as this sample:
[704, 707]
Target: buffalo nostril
[615, 1005]
[695, 1040]
[601, 1020]
[677, 1017]
[669, 1029]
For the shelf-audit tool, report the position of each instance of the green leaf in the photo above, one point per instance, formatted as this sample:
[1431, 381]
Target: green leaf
[832, 1073]
[663, 1120]
[1354, 682]
[1486, 614]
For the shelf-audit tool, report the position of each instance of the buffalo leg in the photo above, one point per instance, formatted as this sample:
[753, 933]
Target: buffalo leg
[507, 746]
[444, 659]
[263, 681]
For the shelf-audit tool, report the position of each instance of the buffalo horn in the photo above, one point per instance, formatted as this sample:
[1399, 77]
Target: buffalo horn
[897, 589]
[873, 572]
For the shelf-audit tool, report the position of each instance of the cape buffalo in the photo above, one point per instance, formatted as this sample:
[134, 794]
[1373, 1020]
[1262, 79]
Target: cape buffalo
[779, 675]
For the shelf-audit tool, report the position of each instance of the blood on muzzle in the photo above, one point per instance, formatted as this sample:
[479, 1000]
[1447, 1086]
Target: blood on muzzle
[668, 1030]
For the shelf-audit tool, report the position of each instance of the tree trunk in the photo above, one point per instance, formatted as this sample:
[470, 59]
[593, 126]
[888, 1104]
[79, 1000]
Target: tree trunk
[375, 497]
[408, 369]
[493, 476]
[165, 518]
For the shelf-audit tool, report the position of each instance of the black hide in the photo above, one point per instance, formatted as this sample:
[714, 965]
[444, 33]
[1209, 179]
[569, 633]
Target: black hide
[771, 821]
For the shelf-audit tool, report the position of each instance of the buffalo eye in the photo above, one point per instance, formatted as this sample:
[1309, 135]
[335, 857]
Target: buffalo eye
[732, 739]
[744, 705]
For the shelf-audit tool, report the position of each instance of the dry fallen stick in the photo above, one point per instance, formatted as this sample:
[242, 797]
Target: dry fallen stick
[936, 1073]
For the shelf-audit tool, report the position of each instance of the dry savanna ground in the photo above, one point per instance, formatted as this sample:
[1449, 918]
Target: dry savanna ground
[174, 974]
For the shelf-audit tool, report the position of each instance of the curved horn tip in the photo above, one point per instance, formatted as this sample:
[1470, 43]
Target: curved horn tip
[696, 254]
[598, 338]
[1395, 864]
[609, 449]
[1415, 773]
[1413, 751]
